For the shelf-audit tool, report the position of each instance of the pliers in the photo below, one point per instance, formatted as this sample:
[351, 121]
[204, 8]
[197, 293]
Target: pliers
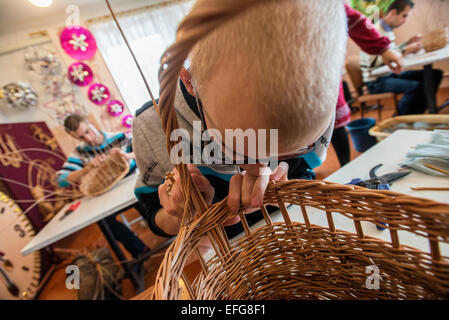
[379, 183]
[382, 182]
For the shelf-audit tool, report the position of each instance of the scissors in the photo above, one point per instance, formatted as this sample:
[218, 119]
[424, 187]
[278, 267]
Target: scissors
[383, 182]
[380, 183]
[71, 209]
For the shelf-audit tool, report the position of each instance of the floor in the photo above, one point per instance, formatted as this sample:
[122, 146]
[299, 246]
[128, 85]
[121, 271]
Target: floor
[91, 237]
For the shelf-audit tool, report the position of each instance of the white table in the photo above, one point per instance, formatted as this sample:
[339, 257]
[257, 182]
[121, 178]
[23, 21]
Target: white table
[426, 60]
[417, 60]
[390, 152]
[91, 210]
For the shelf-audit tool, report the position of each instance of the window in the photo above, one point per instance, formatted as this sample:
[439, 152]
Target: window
[149, 33]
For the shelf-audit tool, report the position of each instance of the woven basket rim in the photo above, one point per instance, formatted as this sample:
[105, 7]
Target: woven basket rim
[378, 129]
[218, 213]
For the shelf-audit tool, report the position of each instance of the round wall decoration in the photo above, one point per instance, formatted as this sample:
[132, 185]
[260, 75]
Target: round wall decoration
[80, 74]
[78, 42]
[127, 121]
[98, 93]
[115, 108]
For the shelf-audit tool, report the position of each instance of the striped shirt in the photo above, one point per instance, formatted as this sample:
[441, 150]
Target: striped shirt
[84, 153]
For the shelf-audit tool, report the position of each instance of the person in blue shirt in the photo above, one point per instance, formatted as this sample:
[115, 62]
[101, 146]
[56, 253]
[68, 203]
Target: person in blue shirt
[95, 147]
[409, 83]
[93, 150]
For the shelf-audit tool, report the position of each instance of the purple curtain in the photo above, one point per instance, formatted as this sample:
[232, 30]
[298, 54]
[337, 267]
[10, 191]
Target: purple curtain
[22, 134]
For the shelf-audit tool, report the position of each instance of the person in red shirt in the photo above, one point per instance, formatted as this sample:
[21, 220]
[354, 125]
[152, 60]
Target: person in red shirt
[362, 32]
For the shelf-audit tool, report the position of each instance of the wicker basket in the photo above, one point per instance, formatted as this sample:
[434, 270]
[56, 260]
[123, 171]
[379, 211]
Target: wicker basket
[436, 40]
[427, 121]
[297, 259]
[104, 177]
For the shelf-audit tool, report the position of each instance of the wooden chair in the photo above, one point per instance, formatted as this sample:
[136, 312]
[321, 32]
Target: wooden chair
[362, 95]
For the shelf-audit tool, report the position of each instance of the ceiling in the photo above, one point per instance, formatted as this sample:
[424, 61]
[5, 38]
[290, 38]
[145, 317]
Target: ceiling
[18, 15]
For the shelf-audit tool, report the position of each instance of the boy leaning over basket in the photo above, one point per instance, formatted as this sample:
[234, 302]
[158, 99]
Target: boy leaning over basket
[275, 66]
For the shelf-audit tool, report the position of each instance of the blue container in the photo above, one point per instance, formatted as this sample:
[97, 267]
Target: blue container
[358, 129]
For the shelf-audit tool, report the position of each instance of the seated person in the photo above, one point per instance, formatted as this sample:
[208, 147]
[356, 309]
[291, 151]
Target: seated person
[91, 153]
[275, 66]
[410, 83]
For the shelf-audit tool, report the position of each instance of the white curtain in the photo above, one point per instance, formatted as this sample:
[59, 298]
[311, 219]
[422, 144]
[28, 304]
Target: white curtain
[149, 33]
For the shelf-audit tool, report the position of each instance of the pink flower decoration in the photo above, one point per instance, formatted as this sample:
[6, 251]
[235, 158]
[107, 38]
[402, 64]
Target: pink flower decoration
[127, 121]
[115, 108]
[80, 74]
[78, 43]
[98, 93]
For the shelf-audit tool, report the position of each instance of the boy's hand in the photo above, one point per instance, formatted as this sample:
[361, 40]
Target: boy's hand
[96, 162]
[119, 151]
[414, 47]
[417, 38]
[393, 61]
[172, 197]
[248, 188]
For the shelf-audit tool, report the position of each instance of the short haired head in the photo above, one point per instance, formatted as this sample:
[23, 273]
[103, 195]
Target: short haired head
[277, 65]
[81, 129]
[72, 122]
[398, 12]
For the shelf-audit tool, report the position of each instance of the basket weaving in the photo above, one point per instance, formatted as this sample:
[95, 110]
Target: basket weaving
[296, 259]
[436, 40]
[104, 177]
[425, 121]
[299, 260]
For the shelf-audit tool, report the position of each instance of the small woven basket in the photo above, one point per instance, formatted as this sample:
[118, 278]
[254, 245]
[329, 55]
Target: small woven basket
[426, 121]
[436, 40]
[296, 259]
[104, 177]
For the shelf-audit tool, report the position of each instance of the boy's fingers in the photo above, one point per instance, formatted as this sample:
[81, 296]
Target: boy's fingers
[165, 199]
[280, 173]
[176, 194]
[235, 188]
[204, 186]
[258, 192]
[247, 189]
[194, 169]
[232, 221]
